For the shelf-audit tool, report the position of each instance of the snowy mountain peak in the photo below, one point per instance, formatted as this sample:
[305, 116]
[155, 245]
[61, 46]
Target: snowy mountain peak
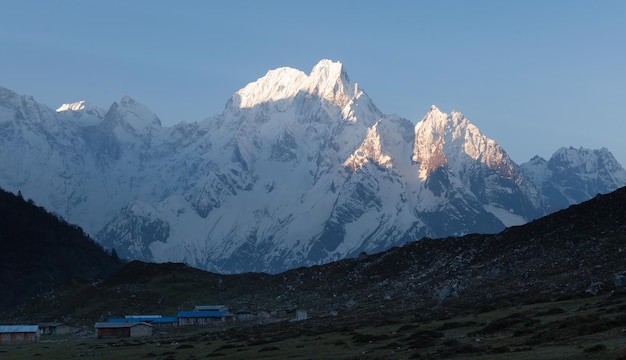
[328, 69]
[435, 110]
[82, 112]
[327, 79]
[7, 96]
[430, 135]
[129, 111]
[371, 149]
[574, 175]
[83, 108]
[277, 84]
[440, 136]
[298, 170]
[77, 106]
[330, 81]
[434, 120]
[586, 161]
[24, 108]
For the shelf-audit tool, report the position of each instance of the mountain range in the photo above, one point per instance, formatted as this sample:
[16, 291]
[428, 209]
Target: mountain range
[299, 169]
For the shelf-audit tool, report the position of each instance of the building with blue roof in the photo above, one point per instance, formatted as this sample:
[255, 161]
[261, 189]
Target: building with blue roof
[156, 320]
[210, 308]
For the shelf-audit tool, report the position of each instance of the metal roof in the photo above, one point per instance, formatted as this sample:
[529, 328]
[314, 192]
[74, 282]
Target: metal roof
[155, 320]
[18, 328]
[204, 314]
[142, 316]
[106, 325]
[123, 320]
[209, 307]
[50, 324]
[166, 320]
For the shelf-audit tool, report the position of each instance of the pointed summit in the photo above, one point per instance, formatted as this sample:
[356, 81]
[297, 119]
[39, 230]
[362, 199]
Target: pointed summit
[449, 139]
[82, 112]
[16, 107]
[434, 121]
[76, 106]
[129, 111]
[434, 109]
[330, 81]
[328, 69]
[573, 175]
[8, 98]
[327, 79]
[277, 84]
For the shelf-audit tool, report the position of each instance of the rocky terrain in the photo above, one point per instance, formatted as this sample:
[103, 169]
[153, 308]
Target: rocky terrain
[553, 288]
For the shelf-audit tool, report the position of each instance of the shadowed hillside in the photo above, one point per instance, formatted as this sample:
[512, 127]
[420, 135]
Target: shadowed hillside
[552, 289]
[40, 251]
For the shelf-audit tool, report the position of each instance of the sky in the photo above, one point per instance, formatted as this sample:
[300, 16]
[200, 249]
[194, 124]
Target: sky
[532, 75]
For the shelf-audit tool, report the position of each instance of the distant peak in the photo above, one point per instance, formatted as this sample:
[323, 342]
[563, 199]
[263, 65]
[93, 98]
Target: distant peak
[581, 154]
[76, 106]
[434, 116]
[435, 113]
[329, 64]
[330, 81]
[84, 111]
[132, 112]
[127, 100]
[434, 108]
[440, 137]
[277, 84]
[328, 70]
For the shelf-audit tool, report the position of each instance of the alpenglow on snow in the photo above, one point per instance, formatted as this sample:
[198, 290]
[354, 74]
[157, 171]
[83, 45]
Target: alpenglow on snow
[298, 169]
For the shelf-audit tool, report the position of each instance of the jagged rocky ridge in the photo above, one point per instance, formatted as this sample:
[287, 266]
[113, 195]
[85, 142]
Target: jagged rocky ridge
[297, 170]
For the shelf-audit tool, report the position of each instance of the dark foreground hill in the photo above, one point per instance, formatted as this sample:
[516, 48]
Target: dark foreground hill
[39, 251]
[554, 288]
[578, 251]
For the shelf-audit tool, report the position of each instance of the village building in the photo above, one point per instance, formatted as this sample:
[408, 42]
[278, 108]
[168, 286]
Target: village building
[245, 315]
[210, 308]
[18, 334]
[56, 328]
[143, 317]
[123, 329]
[165, 322]
[157, 321]
[301, 315]
[204, 318]
[264, 315]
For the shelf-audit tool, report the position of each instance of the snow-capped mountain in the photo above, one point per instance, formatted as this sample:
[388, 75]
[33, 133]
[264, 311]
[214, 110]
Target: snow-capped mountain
[83, 111]
[572, 176]
[299, 169]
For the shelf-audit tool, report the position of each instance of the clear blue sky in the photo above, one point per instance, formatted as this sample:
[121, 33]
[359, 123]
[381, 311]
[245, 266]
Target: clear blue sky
[532, 75]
